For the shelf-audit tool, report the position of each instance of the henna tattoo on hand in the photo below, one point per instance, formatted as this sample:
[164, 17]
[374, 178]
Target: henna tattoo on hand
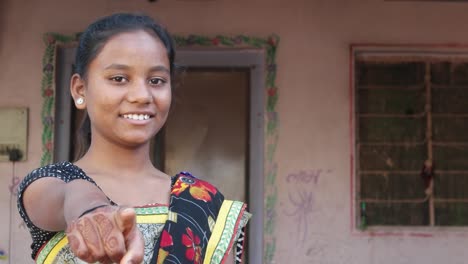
[112, 242]
[110, 235]
[104, 224]
[70, 227]
[87, 230]
[73, 242]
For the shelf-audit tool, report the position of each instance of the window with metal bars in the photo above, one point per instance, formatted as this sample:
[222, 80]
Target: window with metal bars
[411, 117]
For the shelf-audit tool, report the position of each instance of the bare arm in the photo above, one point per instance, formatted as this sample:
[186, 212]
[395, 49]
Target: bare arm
[107, 234]
[50, 202]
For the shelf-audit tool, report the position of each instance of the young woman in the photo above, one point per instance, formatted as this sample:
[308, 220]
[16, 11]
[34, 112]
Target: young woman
[113, 205]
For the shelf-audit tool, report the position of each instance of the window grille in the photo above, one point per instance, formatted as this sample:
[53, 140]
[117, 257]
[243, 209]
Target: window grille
[411, 113]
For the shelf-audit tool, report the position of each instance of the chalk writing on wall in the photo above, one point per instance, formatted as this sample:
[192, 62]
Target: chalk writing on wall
[300, 205]
[304, 177]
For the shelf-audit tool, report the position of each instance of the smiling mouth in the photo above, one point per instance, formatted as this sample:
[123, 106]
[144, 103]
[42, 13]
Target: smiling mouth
[137, 116]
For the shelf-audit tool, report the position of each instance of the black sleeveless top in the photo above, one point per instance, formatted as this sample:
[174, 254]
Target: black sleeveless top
[65, 171]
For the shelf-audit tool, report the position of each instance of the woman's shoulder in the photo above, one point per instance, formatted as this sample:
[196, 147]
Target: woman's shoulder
[200, 191]
[185, 179]
[64, 170]
[54, 168]
[189, 178]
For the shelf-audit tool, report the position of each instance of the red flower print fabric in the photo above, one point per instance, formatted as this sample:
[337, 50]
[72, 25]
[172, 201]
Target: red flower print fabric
[198, 189]
[192, 242]
[185, 235]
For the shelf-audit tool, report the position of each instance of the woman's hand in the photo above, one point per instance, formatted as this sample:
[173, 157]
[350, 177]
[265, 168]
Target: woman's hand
[108, 234]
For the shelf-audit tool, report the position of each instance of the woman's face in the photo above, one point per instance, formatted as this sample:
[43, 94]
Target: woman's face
[128, 89]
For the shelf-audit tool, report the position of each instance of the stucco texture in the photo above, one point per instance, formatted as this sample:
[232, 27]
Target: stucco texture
[314, 105]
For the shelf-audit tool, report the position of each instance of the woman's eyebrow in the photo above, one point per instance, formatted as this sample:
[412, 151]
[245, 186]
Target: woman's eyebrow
[159, 68]
[117, 66]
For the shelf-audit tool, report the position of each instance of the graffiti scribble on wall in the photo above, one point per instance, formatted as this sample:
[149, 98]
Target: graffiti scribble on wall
[302, 203]
[301, 199]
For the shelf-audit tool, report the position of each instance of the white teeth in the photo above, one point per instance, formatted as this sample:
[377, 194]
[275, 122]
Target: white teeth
[136, 117]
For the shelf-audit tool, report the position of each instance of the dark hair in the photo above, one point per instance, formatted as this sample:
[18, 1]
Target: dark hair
[93, 39]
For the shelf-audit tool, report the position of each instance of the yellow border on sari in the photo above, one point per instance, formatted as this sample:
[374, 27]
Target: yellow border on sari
[48, 254]
[151, 219]
[55, 250]
[224, 229]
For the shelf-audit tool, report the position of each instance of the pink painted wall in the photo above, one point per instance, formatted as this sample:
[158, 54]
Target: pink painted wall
[313, 76]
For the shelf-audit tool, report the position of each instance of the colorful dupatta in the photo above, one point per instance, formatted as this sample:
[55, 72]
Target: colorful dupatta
[201, 227]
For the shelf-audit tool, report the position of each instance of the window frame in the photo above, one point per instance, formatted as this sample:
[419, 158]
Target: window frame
[389, 51]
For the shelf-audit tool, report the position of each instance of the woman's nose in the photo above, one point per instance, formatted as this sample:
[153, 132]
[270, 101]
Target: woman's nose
[139, 92]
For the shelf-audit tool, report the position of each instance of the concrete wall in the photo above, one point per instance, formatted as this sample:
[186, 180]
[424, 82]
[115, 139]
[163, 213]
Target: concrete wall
[314, 103]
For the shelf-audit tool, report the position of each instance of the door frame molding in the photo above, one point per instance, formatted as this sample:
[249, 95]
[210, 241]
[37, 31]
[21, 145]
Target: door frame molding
[254, 60]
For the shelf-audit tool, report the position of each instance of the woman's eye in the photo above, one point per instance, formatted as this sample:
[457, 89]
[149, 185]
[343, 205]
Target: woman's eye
[119, 79]
[157, 81]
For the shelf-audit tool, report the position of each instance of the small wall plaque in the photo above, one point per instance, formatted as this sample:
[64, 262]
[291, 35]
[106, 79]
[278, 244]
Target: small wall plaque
[13, 132]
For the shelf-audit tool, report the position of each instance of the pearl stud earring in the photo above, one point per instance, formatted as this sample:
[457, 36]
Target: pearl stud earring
[80, 101]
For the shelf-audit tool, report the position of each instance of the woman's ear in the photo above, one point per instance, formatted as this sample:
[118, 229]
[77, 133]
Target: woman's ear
[78, 91]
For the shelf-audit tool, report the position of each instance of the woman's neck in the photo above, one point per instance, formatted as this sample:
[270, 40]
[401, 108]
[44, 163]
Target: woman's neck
[105, 157]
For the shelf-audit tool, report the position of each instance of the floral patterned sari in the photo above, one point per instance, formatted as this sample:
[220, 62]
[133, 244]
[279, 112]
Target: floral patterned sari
[198, 227]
